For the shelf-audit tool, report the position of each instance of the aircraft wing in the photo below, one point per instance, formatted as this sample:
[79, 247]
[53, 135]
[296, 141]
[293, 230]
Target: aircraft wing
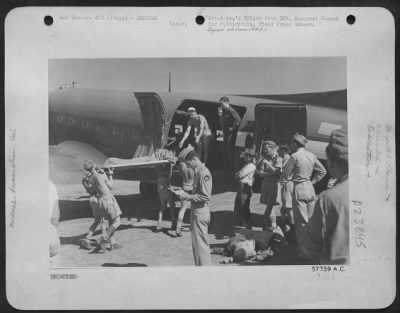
[141, 162]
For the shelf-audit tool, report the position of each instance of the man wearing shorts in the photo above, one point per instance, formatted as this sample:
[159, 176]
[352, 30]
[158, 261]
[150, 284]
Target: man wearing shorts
[86, 242]
[187, 175]
[108, 205]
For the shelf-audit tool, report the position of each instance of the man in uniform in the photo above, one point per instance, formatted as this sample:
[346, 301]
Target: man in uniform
[300, 168]
[329, 225]
[200, 212]
[229, 120]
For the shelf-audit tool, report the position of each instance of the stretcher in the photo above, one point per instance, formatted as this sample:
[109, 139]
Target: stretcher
[146, 169]
[159, 157]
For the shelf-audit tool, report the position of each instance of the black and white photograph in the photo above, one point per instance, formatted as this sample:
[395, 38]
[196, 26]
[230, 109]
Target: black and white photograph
[172, 158]
[198, 162]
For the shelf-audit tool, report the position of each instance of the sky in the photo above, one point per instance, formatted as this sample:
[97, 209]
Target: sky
[203, 75]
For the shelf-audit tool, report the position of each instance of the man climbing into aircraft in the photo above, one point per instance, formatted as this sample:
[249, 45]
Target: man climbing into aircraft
[202, 133]
[229, 121]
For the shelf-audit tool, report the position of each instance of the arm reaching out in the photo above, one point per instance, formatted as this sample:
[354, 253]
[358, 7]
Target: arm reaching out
[185, 136]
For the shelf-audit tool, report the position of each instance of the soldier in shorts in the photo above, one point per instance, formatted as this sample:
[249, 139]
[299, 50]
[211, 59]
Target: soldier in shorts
[108, 205]
[165, 195]
[86, 242]
[286, 192]
[269, 168]
[187, 175]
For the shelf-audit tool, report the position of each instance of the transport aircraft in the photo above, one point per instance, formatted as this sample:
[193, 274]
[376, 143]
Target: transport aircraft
[129, 125]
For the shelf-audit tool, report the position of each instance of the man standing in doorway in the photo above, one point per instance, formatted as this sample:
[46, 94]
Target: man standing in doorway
[200, 211]
[300, 168]
[229, 121]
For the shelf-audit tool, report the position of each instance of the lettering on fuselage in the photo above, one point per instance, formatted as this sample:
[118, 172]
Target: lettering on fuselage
[101, 131]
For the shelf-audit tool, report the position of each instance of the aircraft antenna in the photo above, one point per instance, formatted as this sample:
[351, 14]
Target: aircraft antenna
[169, 82]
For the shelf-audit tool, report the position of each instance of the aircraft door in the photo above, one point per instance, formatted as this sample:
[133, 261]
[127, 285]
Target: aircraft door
[154, 123]
[278, 122]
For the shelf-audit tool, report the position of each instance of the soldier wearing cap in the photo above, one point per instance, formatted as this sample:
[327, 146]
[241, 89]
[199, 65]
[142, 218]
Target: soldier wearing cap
[202, 133]
[328, 227]
[200, 211]
[229, 121]
[300, 168]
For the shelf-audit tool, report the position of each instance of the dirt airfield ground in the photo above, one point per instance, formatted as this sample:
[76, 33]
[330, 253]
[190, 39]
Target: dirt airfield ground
[141, 246]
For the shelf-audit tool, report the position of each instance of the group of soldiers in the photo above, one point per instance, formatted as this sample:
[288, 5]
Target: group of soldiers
[319, 222]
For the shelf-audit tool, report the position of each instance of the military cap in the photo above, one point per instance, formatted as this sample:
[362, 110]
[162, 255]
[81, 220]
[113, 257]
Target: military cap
[191, 155]
[270, 143]
[299, 138]
[338, 146]
[184, 152]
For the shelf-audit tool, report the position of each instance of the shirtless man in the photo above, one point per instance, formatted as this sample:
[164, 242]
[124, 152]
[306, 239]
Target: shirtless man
[107, 203]
[202, 133]
[86, 243]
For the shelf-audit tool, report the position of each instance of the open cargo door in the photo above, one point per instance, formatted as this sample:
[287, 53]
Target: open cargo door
[143, 162]
[278, 122]
[154, 123]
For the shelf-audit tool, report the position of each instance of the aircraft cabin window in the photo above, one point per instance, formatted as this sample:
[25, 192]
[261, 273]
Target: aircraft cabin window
[101, 127]
[60, 118]
[71, 121]
[85, 123]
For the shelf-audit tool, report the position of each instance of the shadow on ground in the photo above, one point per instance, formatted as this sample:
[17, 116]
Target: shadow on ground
[131, 206]
[74, 240]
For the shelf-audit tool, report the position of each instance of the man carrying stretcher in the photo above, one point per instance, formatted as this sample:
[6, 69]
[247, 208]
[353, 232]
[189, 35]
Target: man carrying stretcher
[108, 206]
